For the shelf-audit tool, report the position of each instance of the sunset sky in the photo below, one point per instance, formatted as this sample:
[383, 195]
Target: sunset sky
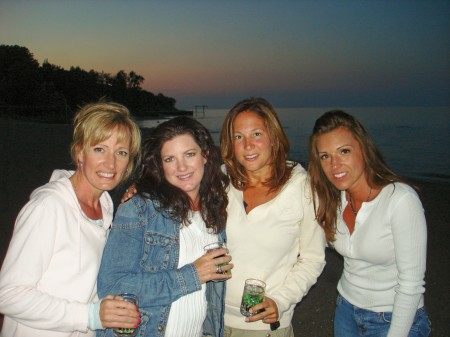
[295, 53]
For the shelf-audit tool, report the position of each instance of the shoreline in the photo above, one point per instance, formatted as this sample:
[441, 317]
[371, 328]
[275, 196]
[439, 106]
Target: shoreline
[32, 150]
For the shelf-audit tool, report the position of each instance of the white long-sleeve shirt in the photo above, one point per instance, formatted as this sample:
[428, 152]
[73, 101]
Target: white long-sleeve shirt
[49, 276]
[278, 242]
[385, 257]
[188, 313]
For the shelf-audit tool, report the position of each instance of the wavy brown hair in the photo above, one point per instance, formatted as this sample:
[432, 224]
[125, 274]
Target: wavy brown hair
[151, 182]
[376, 171]
[281, 171]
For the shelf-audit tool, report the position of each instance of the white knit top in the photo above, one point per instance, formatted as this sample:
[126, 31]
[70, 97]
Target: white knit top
[385, 257]
[188, 313]
[278, 242]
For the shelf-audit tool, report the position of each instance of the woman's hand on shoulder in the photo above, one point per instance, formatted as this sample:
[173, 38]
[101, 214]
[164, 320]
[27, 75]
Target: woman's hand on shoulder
[117, 313]
[129, 193]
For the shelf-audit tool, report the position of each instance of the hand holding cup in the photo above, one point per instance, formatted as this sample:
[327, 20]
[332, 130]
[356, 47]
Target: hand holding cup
[253, 294]
[123, 331]
[215, 264]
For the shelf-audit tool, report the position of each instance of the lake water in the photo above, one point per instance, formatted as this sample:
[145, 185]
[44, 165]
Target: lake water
[415, 141]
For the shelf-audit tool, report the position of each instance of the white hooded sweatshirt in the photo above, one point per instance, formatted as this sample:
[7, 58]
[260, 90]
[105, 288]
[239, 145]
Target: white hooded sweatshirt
[49, 275]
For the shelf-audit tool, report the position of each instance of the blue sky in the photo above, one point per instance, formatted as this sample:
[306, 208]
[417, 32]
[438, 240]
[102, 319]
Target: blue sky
[295, 53]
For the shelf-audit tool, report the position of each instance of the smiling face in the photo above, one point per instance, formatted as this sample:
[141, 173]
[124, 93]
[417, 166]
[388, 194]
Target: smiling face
[341, 159]
[102, 166]
[252, 143]
[183, 164]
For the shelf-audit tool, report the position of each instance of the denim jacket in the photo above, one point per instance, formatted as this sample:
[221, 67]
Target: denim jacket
[141, 257]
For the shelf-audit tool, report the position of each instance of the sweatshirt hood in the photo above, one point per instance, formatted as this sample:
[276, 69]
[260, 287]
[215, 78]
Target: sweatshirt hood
[61, 186]
[58, 174]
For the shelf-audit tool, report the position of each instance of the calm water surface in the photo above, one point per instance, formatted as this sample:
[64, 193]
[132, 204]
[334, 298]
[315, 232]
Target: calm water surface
[415, 141]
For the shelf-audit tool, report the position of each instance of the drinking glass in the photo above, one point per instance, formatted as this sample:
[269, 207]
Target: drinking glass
[214, 246]
[127, 332]
[253, 294]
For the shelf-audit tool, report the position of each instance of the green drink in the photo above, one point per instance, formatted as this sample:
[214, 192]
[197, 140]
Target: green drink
[214, 246]
[253, 294]
[125, 331]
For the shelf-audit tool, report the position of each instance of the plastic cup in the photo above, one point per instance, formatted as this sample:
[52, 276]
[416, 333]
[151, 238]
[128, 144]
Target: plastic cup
[127, 332]
[254, 291]
[214, 246]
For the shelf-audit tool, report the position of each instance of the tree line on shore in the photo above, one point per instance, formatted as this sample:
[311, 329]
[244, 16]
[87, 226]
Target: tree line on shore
[50, 93]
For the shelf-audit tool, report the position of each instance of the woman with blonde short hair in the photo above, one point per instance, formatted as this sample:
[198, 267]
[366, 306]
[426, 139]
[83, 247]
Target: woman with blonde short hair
[48, 279]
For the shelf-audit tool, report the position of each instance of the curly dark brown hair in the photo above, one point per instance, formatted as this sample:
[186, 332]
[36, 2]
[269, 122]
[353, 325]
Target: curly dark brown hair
[151, 182]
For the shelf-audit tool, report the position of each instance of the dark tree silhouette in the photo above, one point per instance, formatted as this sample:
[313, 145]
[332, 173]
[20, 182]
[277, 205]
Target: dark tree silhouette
[135, 81]
[20, 78]
[51, 93]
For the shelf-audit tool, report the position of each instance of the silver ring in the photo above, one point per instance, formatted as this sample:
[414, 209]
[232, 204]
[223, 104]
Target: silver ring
[219, 269]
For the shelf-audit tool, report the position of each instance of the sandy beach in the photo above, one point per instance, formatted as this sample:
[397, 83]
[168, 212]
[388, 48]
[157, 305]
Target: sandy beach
[30, 151]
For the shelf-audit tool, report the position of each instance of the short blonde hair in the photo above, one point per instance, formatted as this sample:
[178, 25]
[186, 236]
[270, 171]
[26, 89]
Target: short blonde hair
[95, 122]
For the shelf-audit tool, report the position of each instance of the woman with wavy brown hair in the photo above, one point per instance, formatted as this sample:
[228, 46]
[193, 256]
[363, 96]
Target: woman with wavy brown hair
[376, 222]
[271, 230]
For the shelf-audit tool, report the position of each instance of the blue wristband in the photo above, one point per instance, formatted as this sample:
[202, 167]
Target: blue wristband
[94, 316]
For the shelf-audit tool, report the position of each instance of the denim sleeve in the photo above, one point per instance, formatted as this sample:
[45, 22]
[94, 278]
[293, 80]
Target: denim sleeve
[121, 268]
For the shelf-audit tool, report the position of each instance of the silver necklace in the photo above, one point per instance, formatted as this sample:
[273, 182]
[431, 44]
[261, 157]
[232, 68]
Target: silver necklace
[351, 203]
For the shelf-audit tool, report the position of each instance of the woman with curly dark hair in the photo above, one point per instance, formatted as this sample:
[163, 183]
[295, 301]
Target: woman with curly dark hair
[156, 246]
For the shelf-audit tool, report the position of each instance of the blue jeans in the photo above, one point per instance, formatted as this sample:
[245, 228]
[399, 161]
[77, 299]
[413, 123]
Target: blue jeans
[351, 321]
